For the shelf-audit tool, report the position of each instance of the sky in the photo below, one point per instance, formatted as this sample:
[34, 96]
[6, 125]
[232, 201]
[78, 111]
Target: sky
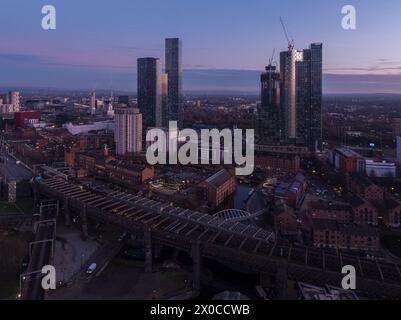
[226, 43]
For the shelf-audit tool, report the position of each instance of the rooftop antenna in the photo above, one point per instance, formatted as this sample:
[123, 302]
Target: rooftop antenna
[290, 42]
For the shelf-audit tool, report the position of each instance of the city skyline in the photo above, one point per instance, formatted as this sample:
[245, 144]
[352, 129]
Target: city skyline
[155, 150]
[291, 98]
[221, 55]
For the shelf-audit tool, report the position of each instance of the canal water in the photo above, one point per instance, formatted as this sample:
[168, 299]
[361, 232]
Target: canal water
[224, 277]
[241, 195]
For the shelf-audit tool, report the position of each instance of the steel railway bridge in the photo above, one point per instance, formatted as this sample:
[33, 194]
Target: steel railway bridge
[231, 242]
[236, 215]
[41, 250]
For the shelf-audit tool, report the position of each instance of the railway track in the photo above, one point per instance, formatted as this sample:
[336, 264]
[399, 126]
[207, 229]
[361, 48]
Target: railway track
[41, 252]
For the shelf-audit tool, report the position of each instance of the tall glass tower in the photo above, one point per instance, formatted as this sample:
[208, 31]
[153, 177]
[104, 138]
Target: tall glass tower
[301, 95]
[174, 72]
[150, 91]
[269, 114]
[309, 97]
[288, 60]
[316, 80]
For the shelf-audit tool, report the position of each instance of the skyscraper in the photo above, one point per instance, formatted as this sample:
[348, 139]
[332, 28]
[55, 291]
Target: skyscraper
[301, 95]
[128, 131]
[288, 61]
[316, 91]
[150, 91]
[165, 100]
[93, 103]
[174, 71]
[269, 114]
[309, 97]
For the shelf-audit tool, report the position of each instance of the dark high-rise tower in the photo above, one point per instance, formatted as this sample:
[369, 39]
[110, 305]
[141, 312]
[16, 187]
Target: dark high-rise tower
[174, 72]
[309, 97]
[316, 74]
[269, 115]
[150, 92]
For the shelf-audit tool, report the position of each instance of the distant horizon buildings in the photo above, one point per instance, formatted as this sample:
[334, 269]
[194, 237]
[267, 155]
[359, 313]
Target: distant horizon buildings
[93, 103]
[128, 131]
[123, 100]
[110, 110]
[15, 98]
[10, 102]
[21, 118]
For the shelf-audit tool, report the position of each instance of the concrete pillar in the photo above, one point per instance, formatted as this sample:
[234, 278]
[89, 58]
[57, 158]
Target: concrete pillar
[281, 281]
[148, 250]
[84, 223]
[157, 250]
[67, 218]
[265, 280]
[175, 254]
[196, 265]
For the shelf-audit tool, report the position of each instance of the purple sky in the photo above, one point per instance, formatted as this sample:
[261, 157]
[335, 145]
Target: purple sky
[226, 43]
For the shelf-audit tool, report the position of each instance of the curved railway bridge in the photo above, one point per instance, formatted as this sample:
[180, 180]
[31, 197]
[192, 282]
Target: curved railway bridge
[236, 215]
[232, 242]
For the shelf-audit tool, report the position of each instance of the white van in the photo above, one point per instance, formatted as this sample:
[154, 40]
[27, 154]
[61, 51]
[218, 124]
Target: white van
[91, 268]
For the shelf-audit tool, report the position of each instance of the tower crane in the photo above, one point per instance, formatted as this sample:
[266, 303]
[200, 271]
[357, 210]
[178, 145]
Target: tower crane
[272, 57]
[290, 42]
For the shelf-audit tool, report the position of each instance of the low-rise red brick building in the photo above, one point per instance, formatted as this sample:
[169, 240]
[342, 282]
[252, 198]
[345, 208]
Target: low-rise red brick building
[94, 162]
[130, 174]
[285, 158]
[323, 210]
[217, 188]
[331, 234]
[366, 189]
[292, 191]
[70, 157]
[21, 118]
[345, 160]
[285, 220]
[392, 213]
[288, 162]
[363, 213]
